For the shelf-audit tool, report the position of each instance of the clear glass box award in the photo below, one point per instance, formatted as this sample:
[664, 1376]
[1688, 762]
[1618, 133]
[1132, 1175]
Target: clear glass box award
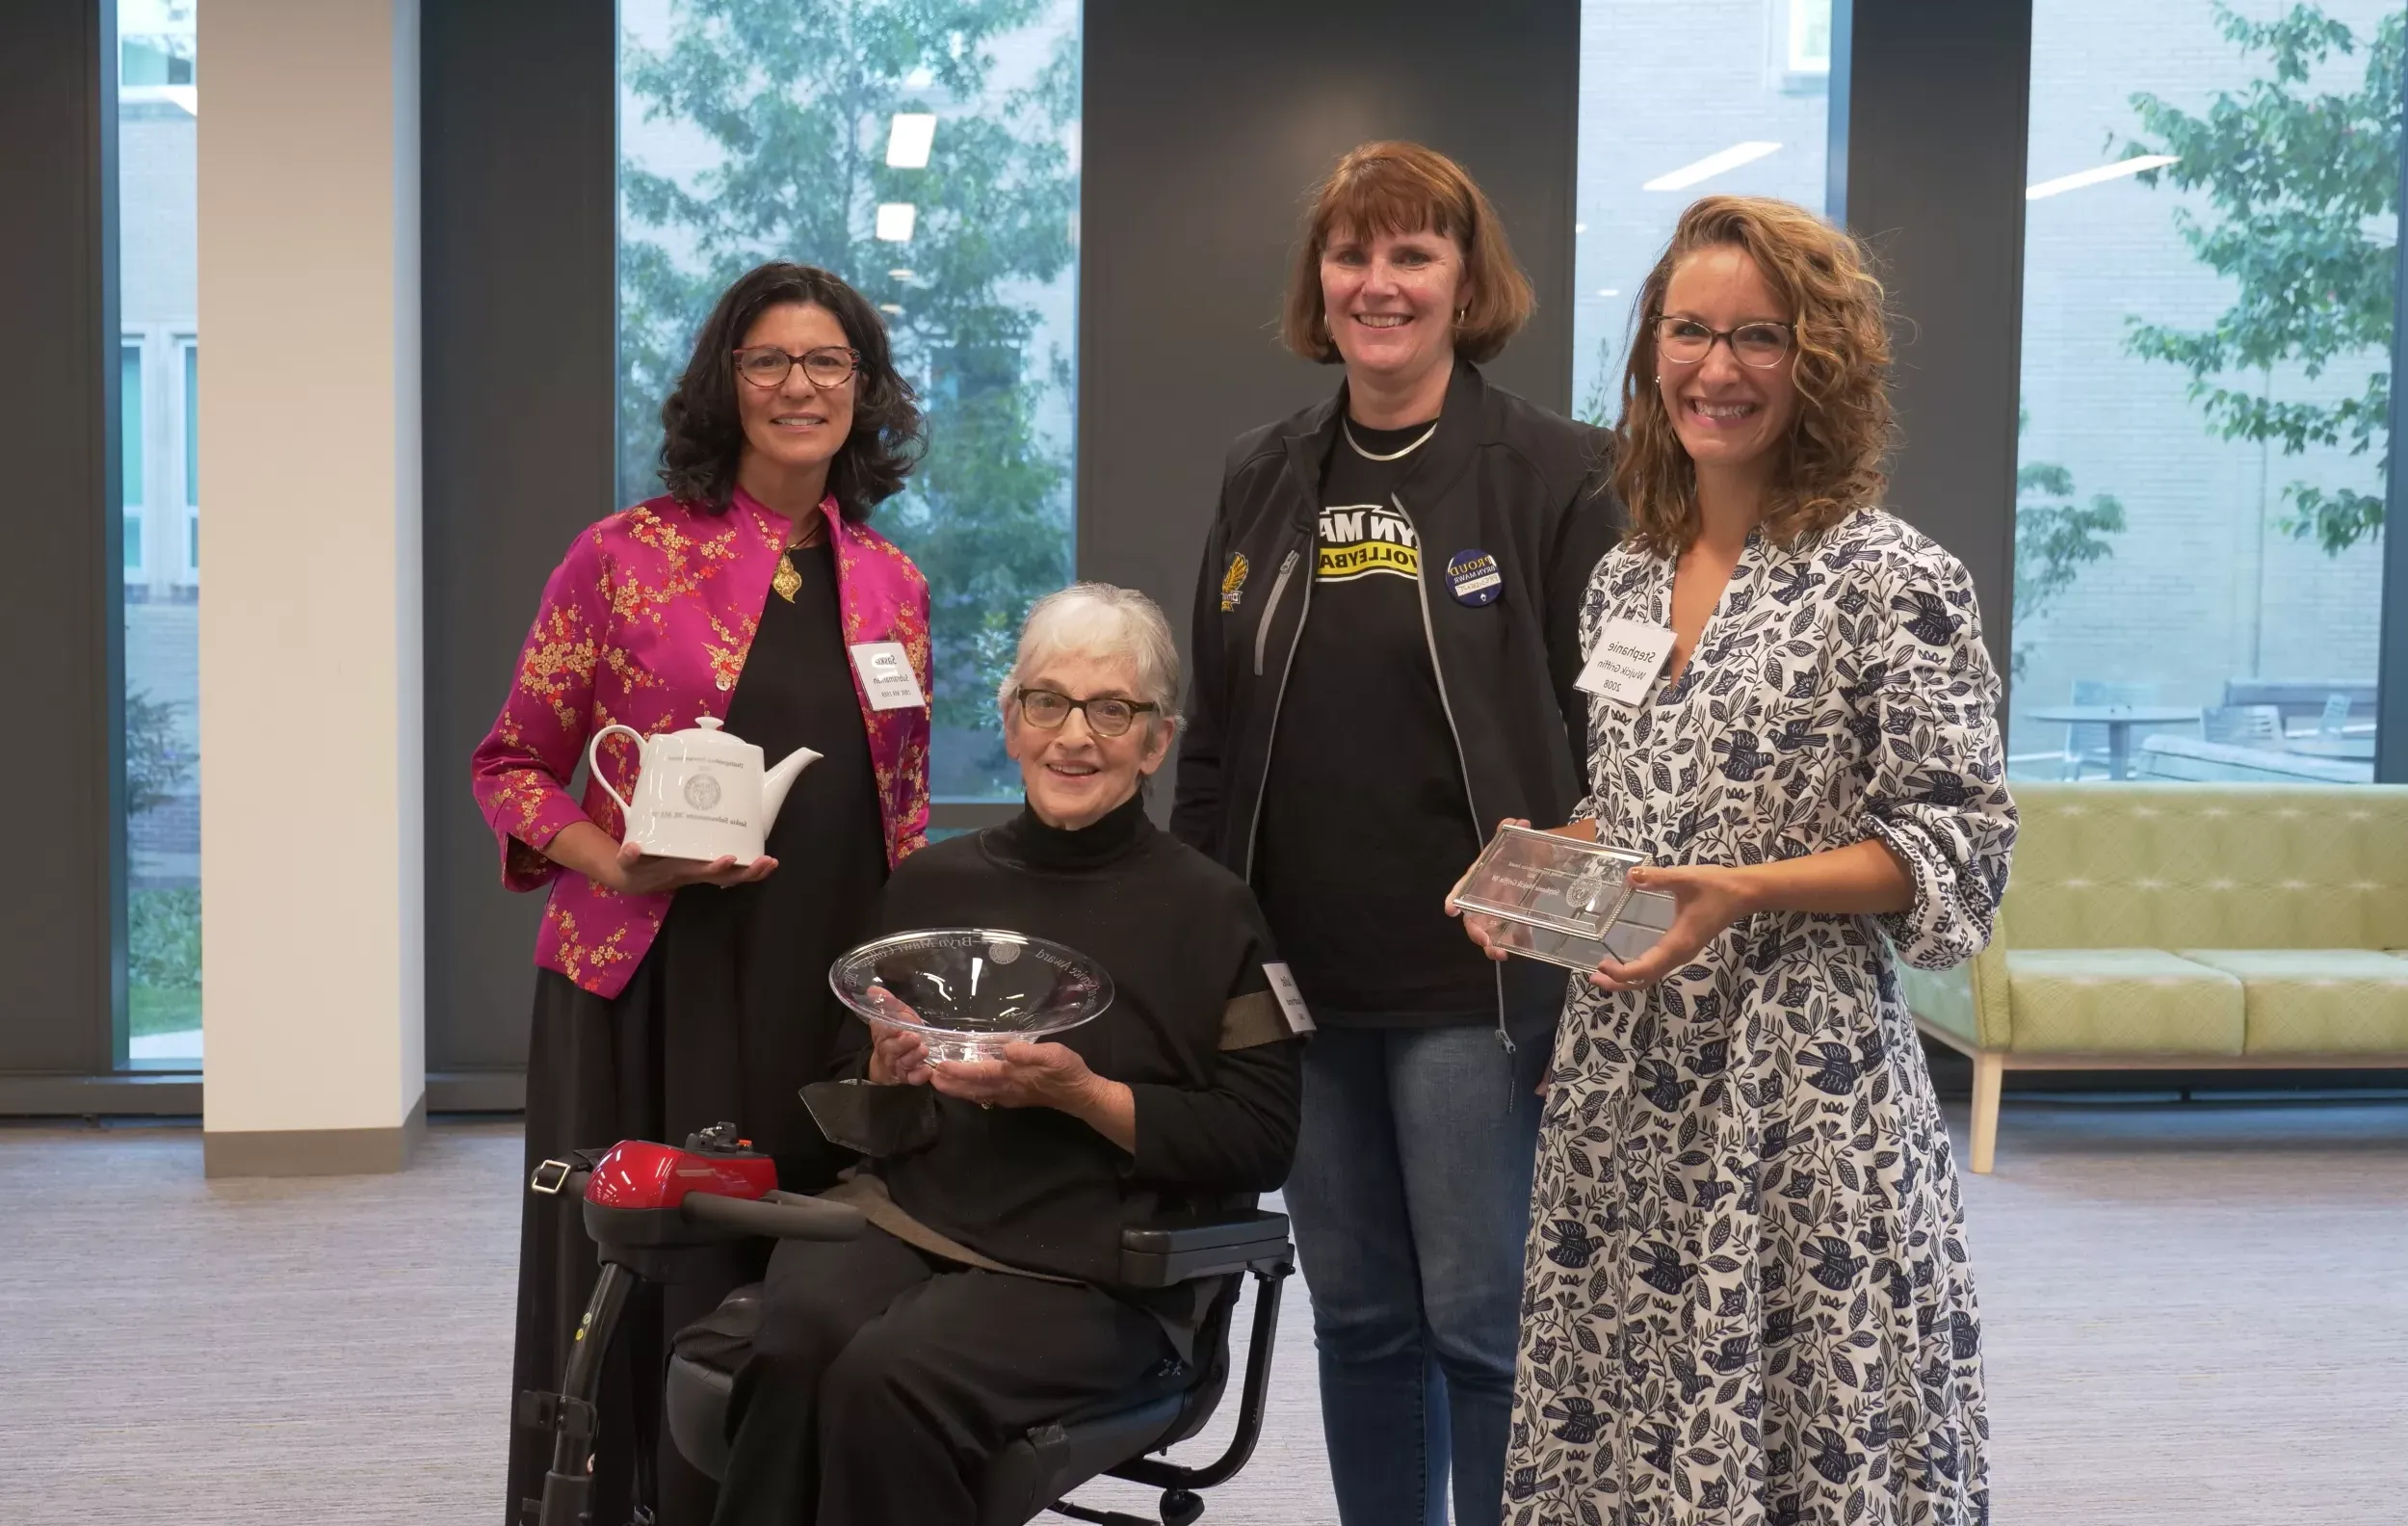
[1562, 900]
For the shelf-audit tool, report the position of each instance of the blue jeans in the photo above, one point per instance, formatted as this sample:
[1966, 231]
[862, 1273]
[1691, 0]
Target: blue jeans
[1410, 1199]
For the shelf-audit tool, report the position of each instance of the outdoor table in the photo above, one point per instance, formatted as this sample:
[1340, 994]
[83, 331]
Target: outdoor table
[2119, 721]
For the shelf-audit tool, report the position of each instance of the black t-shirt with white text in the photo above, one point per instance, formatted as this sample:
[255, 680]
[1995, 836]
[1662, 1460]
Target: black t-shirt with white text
[1366, 825]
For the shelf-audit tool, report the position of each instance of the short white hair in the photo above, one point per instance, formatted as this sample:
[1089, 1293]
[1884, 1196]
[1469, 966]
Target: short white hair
[1099, 619]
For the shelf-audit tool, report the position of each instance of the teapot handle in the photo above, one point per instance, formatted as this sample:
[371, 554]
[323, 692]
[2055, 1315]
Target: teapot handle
[593, 765]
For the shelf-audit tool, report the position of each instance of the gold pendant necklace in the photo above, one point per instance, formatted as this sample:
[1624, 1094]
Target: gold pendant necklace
[786, 580]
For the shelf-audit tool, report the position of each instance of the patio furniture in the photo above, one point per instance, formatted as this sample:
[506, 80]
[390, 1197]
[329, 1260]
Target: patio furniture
[2323, 746]
[2186, 926]
[2113, 721]
[2177, 757]
[2306, 700]
[2243, 725]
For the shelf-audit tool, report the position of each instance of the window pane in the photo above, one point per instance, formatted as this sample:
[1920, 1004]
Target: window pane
[1680, 101]
[156, 116]
[130, 440]
[191, 426]
[2206, 360]
[796, 140]
[191, 537]
[130, 420]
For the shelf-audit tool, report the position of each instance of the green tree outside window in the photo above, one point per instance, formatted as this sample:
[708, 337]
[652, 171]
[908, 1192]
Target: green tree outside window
[798, 101]
[2305, 190]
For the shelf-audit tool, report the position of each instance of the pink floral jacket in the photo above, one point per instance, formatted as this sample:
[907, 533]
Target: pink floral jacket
[646, 622]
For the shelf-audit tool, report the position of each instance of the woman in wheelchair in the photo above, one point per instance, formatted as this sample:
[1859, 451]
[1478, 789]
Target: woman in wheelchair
[983, 1299]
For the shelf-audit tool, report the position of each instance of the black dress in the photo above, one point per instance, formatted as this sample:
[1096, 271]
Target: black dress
[727, 1016]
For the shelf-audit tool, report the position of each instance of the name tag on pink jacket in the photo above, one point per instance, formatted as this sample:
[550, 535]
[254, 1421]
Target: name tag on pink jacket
[887, 682]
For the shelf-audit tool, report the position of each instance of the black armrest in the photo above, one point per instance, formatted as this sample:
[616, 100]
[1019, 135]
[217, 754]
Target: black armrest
[1184, 1247]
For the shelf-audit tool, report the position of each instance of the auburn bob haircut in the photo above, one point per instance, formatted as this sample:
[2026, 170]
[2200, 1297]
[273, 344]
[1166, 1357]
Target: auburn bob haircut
[1399, 188]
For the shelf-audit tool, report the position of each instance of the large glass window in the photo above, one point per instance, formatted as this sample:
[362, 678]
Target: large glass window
[1679, 101]
[188, 418]
[927, 151]
[158, 102]
[130, 428]
[2208, 288]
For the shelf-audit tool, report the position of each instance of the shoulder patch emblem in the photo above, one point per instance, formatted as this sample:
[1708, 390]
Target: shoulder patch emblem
[1233, 583]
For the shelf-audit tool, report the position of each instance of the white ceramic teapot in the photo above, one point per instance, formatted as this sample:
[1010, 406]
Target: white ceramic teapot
[700, 793]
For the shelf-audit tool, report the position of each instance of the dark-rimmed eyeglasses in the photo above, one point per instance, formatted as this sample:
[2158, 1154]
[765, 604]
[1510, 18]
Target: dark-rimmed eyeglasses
[766, 366]
[1106, 716]
[1684, 341]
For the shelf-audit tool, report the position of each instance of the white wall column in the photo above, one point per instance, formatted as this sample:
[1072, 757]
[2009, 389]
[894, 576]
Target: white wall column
[312, 863]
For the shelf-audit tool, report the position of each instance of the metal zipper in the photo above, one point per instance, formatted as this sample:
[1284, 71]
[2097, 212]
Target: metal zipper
[1462, 760]
[1279, 695]
[1271, 607]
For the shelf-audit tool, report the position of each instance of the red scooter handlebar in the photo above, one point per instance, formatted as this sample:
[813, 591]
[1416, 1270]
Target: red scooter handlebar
[785, 1216]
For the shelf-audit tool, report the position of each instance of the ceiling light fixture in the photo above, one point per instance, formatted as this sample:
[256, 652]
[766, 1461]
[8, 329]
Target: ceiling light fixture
[895, 221]
[2094, 177]
[909, 138]
[1713, 164]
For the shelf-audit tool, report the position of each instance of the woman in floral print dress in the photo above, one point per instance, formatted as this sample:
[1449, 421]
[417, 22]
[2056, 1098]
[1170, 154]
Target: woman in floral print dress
[1747, 1297]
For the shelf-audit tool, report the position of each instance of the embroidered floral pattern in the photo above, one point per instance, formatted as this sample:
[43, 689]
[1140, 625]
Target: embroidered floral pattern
[1747, 1299]
[646, 622]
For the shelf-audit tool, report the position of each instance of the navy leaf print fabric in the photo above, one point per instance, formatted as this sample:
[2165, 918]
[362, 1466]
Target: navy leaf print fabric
[1747, 1299]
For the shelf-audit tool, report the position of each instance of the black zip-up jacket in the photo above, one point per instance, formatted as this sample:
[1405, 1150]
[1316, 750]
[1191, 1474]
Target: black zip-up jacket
[1521, 484]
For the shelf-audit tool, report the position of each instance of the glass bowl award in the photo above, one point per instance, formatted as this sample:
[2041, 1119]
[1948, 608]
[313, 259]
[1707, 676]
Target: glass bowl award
[969, 991]
[1562, 900]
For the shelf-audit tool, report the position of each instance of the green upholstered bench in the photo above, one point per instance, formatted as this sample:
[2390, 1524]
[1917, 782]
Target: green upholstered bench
[2188, 927]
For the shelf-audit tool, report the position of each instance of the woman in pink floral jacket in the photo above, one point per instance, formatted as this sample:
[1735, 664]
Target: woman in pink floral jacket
[673, 994]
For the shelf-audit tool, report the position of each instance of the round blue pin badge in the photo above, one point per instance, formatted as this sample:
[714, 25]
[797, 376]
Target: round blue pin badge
[1473, 578]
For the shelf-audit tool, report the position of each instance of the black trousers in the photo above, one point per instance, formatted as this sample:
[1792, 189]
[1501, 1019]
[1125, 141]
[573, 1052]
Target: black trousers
[665, 1058]
[883, 1378]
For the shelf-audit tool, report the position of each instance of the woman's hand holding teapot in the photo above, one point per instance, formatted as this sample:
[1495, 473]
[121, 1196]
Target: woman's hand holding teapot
[626, 868]
[640, 873]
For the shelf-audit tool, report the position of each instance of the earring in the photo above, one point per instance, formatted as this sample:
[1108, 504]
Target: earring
[1458, 316]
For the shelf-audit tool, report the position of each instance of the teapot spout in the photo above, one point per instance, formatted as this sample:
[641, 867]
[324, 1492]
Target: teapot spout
[779, 780]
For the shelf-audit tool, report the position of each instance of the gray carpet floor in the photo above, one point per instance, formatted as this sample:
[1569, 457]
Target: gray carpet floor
[2194, 1315]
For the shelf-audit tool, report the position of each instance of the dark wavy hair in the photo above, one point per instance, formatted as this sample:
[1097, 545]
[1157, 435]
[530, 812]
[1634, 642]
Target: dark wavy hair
[702, 431]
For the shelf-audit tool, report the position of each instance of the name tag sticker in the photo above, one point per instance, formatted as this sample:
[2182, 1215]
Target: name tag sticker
[1473, 578]
[1291, 999]
[886, 676]
[1625, 661]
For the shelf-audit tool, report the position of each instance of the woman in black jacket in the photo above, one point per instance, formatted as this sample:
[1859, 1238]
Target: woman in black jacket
[1385, 647]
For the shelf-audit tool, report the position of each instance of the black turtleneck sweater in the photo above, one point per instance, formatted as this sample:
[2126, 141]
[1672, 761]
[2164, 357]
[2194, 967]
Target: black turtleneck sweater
[1193, 1031]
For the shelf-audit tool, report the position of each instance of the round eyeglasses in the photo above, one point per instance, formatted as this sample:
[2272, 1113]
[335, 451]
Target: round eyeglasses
[1684, 341]
[767, 366]
[1046, 709]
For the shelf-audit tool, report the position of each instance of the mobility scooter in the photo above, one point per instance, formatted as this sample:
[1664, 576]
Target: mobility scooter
[675, 1215]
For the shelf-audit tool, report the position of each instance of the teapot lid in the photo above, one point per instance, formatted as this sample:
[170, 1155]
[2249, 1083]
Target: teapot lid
[709, 735]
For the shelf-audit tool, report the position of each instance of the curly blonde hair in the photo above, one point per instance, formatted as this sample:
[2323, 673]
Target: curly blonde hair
[1832, 464]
